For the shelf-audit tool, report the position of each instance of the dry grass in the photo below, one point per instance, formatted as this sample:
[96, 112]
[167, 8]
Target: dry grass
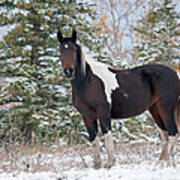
[41, 157]
[56, 158]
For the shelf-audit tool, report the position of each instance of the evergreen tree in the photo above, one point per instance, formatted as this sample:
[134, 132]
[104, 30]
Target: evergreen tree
[158, 33]
[31, 68]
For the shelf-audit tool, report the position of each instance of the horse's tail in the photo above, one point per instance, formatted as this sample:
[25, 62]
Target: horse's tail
[177, 111]
[177, 114]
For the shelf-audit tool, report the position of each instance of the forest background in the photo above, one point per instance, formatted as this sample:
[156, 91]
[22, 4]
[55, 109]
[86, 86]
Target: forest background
[35, 96]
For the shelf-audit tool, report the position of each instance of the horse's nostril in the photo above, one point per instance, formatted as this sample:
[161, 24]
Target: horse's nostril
[68, 72]
[71, 71]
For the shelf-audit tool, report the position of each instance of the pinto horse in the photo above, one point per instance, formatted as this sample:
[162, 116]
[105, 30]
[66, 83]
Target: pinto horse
[101, 93]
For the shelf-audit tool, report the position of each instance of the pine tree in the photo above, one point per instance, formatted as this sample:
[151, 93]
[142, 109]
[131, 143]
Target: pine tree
[158, 33]
[31, 68]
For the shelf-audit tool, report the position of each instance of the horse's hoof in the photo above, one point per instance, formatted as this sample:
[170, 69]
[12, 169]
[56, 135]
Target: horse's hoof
[161, 164]
[109, 165]
[166, 163]
[97, 165]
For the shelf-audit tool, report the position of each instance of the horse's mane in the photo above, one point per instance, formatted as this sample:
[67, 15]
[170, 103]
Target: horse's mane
[81, 55]
[83, 60]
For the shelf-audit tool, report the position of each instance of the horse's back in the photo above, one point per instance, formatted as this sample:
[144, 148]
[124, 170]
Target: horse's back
[159, 70]
[158, 75]
[140, 87]
[164, 80]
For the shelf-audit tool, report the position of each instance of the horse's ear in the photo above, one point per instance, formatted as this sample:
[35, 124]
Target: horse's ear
[74, 35]
[59, 36]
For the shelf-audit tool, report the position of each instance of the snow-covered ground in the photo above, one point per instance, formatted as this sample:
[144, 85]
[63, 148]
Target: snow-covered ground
[133, 162]
[126, 172]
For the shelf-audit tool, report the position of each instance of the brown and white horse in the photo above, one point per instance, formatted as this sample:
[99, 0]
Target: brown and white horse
[101, 93]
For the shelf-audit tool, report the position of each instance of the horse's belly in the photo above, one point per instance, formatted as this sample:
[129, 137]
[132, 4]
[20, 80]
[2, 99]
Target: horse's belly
[125, 111]
[125, 105]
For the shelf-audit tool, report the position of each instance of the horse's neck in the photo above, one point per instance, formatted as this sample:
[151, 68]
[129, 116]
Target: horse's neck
[79, 82]
[108, 78]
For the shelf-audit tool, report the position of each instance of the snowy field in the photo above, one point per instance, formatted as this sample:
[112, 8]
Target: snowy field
[133, 162]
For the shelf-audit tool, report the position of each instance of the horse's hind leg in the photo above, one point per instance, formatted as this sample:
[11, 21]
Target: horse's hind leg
[168, 142]
[155, 114]
[164, 134]
[166, 112]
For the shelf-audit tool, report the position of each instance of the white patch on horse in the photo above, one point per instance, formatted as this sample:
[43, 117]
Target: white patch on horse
[171, 143]
[126, 95]
[178, 74]
[109, 145]
[66, 46]
[107, 77]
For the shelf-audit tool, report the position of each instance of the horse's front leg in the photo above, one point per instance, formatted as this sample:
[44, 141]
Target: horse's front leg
[90, 121]
[109, 145]
[105, 122]
[91, 125]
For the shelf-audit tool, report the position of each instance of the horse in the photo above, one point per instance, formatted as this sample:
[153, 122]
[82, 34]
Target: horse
[101, 93]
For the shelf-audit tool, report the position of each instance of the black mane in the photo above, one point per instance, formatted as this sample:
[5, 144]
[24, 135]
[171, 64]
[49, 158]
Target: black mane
[80, 75]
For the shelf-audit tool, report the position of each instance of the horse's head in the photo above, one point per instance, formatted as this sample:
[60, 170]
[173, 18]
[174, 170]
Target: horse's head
[68, 50]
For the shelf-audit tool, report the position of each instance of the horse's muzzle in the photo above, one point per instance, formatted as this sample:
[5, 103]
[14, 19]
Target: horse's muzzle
[70, 73]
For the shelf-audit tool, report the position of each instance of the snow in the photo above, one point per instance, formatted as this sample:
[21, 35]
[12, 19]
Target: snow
[126, 172]
[139, 172]
[133, 162]
[27, 176]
